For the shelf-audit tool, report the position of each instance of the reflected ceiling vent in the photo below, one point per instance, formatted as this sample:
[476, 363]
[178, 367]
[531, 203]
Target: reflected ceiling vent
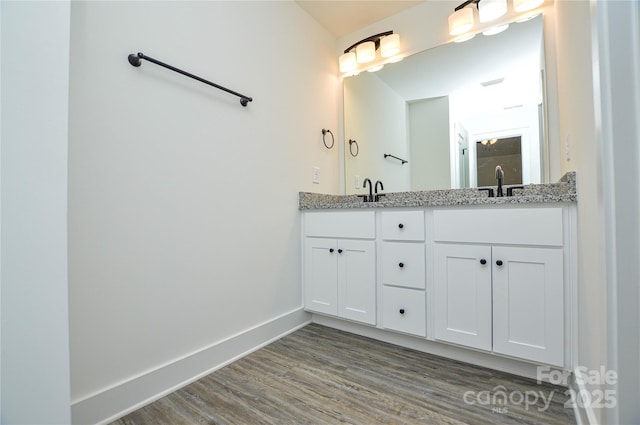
[492, 82]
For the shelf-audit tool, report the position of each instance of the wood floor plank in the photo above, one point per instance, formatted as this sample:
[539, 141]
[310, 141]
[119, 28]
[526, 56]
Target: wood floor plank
[319, 375]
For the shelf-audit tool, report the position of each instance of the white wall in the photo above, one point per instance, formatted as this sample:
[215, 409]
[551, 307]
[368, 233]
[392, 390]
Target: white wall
[34, 132]
[617, 96]
[183, 220]
[366, 97]
[578, 132]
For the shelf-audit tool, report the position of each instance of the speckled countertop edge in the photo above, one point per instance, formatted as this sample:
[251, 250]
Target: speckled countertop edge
[563, 191]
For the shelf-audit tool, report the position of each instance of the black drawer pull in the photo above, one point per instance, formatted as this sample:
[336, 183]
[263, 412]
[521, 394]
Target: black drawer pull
[330, 249]
[483, 261]
[499, 262]
[339, 251]
[401, 265]
[402, 311]
[400, 226]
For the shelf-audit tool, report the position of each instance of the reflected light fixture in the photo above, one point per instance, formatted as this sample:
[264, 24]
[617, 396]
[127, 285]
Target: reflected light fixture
[364, 51]
[464, 38]
[495, 30]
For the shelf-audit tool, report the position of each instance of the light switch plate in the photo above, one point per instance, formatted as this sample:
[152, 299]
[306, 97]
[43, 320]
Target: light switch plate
[316, 175]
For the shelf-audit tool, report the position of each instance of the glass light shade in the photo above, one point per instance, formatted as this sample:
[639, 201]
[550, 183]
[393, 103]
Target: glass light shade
[461, 21]
[495, 30]
[347, 62]
[366, 52]
[488, 10]
[390, 45]
[524, 5]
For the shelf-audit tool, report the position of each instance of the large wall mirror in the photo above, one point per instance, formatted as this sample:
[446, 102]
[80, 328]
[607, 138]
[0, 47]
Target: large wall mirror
[452, 113]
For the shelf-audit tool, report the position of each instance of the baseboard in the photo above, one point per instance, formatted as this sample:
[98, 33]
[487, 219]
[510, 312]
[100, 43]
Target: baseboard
[582, 409]
[112, 403]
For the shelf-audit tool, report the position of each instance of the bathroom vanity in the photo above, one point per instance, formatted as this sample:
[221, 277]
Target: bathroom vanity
[475, 277]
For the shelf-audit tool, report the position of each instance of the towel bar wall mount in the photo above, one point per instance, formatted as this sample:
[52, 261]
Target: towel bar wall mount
[135, 59]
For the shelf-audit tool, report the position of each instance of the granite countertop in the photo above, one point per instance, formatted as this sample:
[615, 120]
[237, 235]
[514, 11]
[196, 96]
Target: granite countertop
[562, 191]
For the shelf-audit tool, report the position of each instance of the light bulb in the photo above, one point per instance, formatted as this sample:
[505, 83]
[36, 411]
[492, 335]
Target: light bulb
[366, 52]
[461, 21]
[488, 10]
[390, 45]
[347, 62]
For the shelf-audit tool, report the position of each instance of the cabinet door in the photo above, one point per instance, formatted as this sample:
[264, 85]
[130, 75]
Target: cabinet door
[357, 280]
[321, 275]
[462, 294]
[528, 316]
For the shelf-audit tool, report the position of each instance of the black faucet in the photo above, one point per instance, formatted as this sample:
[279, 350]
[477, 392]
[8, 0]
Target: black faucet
[364, 185]
[499, 177]
[377, 197]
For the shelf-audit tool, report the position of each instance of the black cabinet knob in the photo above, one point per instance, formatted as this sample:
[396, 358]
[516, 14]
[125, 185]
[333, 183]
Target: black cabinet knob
[330, 249]
[401, 265]
[400, 226]
[499, 262]
[402, 311]
[339, 251]
[483, 261]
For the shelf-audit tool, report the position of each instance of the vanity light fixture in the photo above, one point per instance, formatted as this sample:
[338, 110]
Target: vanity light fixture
[461, 21]
[365, 51]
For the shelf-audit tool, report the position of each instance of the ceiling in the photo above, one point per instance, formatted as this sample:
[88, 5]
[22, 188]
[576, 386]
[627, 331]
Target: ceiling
[342, 17]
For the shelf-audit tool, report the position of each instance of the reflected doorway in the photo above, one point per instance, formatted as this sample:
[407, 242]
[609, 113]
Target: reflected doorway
[505, 152]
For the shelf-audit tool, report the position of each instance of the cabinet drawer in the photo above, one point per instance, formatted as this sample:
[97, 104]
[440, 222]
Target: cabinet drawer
[403, 225]
[404, 310]
[340, 224]
[521, 226]
[403, 264]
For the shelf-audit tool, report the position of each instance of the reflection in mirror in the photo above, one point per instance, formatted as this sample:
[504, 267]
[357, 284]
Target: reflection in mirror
[506, 153]
[433, 107]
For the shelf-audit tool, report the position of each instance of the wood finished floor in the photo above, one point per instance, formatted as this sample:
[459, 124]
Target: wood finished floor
[319, 375]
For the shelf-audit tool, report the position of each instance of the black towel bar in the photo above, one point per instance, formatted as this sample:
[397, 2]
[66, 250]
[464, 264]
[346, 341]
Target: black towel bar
[135, 60]
[404, 161]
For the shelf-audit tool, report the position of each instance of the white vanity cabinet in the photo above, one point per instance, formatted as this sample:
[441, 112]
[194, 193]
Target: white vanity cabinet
[340, 264]
[499, 281]
[403, 265]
